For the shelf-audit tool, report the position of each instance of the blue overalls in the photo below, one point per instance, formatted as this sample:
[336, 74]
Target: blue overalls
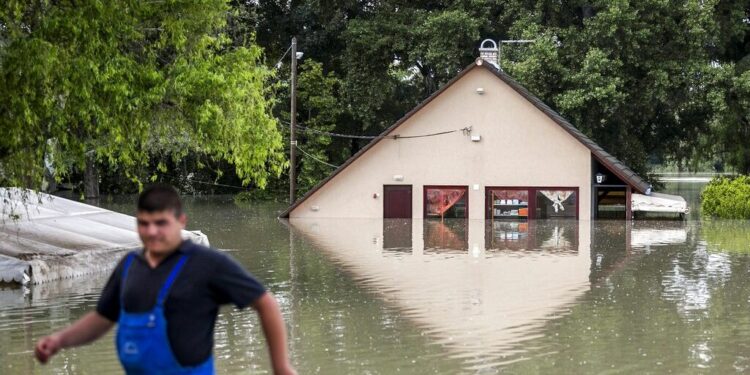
[142, 342]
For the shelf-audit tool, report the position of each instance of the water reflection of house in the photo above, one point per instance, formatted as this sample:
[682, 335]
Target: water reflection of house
[477, 302]
[480, 147]
[478, 298]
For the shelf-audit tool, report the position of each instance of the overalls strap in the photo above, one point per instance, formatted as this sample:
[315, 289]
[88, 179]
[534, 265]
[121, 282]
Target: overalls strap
[170, 280]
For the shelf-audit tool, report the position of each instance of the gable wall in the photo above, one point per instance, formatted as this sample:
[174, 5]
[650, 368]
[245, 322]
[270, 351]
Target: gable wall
[520, 146]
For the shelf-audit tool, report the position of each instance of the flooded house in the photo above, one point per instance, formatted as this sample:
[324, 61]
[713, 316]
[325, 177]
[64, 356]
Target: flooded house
[483, 147]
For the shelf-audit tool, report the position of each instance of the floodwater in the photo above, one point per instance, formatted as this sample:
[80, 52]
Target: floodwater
[453, 297]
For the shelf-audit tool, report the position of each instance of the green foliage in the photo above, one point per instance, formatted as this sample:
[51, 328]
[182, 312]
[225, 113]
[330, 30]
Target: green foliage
[406, 51]
[634, 76]
[142, 85]
[648, 80]
[727, 198]
[730, 124]
[130, 82]
[318, 99]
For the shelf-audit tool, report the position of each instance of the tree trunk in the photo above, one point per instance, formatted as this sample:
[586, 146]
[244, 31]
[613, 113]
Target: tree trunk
[91, 178]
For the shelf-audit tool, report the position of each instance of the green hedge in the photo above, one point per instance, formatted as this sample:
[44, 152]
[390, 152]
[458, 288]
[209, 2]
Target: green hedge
[727, 198]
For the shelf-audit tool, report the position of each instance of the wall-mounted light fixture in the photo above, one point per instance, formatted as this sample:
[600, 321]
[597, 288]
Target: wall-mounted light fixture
[375, 195]
[600, 178]
[480, 90]
[315, 208]
[398, 177]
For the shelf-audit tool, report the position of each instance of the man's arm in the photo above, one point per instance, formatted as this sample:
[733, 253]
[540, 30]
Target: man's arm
[275, 331]
[87, 329]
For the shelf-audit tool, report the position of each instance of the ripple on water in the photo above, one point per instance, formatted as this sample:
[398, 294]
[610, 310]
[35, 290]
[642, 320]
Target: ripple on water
[362, 297]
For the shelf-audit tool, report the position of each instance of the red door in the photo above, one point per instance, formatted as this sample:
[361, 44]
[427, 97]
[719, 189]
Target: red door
[397, 201]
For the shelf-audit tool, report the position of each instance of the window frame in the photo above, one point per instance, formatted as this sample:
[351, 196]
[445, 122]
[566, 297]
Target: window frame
[532, 191]
[424, 198]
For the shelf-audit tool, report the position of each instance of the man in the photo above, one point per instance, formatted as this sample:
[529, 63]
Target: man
[165, 299]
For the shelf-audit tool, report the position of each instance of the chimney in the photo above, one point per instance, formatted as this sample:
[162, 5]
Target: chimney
[488, 51]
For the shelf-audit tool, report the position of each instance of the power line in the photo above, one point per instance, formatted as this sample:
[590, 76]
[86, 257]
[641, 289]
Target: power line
[278, 63]
[339, 135]
[304, 128]
[222, 185]
[314, 158]
[190, 180]
[433, 134]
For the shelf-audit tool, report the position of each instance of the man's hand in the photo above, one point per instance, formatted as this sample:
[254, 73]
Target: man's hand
[285, 370]
[46, 347]
[87, 329]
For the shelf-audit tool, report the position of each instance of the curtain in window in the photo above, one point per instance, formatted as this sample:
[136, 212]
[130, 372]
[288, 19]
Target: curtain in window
[441, 200]
[557, 197]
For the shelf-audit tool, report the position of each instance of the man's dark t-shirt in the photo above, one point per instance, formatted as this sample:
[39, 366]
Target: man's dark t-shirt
[208, 279]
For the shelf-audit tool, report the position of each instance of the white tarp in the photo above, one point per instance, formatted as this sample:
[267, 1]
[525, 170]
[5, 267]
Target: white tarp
[658, 202]
[50, 238]
[13, 270]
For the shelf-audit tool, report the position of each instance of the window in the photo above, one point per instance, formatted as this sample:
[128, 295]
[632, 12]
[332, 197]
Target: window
[556, 203]
[508, 204]
[522, 203]
[446, 202]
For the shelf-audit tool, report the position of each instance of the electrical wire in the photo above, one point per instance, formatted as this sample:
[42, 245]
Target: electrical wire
[283, 56]
[190, 180]
[429, 135]
[304, 128]
[314, 158]
[339, 135]
[217, 184]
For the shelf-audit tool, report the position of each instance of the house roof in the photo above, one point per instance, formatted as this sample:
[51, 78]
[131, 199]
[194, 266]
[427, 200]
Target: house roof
[615, 166]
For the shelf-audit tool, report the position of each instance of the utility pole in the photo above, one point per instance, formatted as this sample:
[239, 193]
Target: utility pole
[292, 126]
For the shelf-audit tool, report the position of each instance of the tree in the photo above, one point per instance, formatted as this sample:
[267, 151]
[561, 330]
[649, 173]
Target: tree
[320, 111]
[405, 50]
[122, 82]
[730, 53]
[634, 76]
[730, 124]
[651, 81]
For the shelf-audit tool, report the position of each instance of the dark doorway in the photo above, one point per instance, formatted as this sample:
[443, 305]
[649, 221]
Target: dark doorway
[611, 202]
[397, 201]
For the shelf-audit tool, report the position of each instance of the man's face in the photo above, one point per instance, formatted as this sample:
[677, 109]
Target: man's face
[160, 231]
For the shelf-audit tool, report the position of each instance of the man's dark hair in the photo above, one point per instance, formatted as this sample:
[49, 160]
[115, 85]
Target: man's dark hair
[160, 197]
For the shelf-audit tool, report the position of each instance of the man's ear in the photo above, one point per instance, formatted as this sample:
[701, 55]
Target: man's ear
[182, 219]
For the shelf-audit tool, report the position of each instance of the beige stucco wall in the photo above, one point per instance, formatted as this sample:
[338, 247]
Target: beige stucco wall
[520, 146]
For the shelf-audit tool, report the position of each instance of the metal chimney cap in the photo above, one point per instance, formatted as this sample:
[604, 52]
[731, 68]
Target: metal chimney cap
[492, 43]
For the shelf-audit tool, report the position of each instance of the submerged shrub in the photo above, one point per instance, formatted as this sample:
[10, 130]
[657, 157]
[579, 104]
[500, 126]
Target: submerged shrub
[727, 198]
